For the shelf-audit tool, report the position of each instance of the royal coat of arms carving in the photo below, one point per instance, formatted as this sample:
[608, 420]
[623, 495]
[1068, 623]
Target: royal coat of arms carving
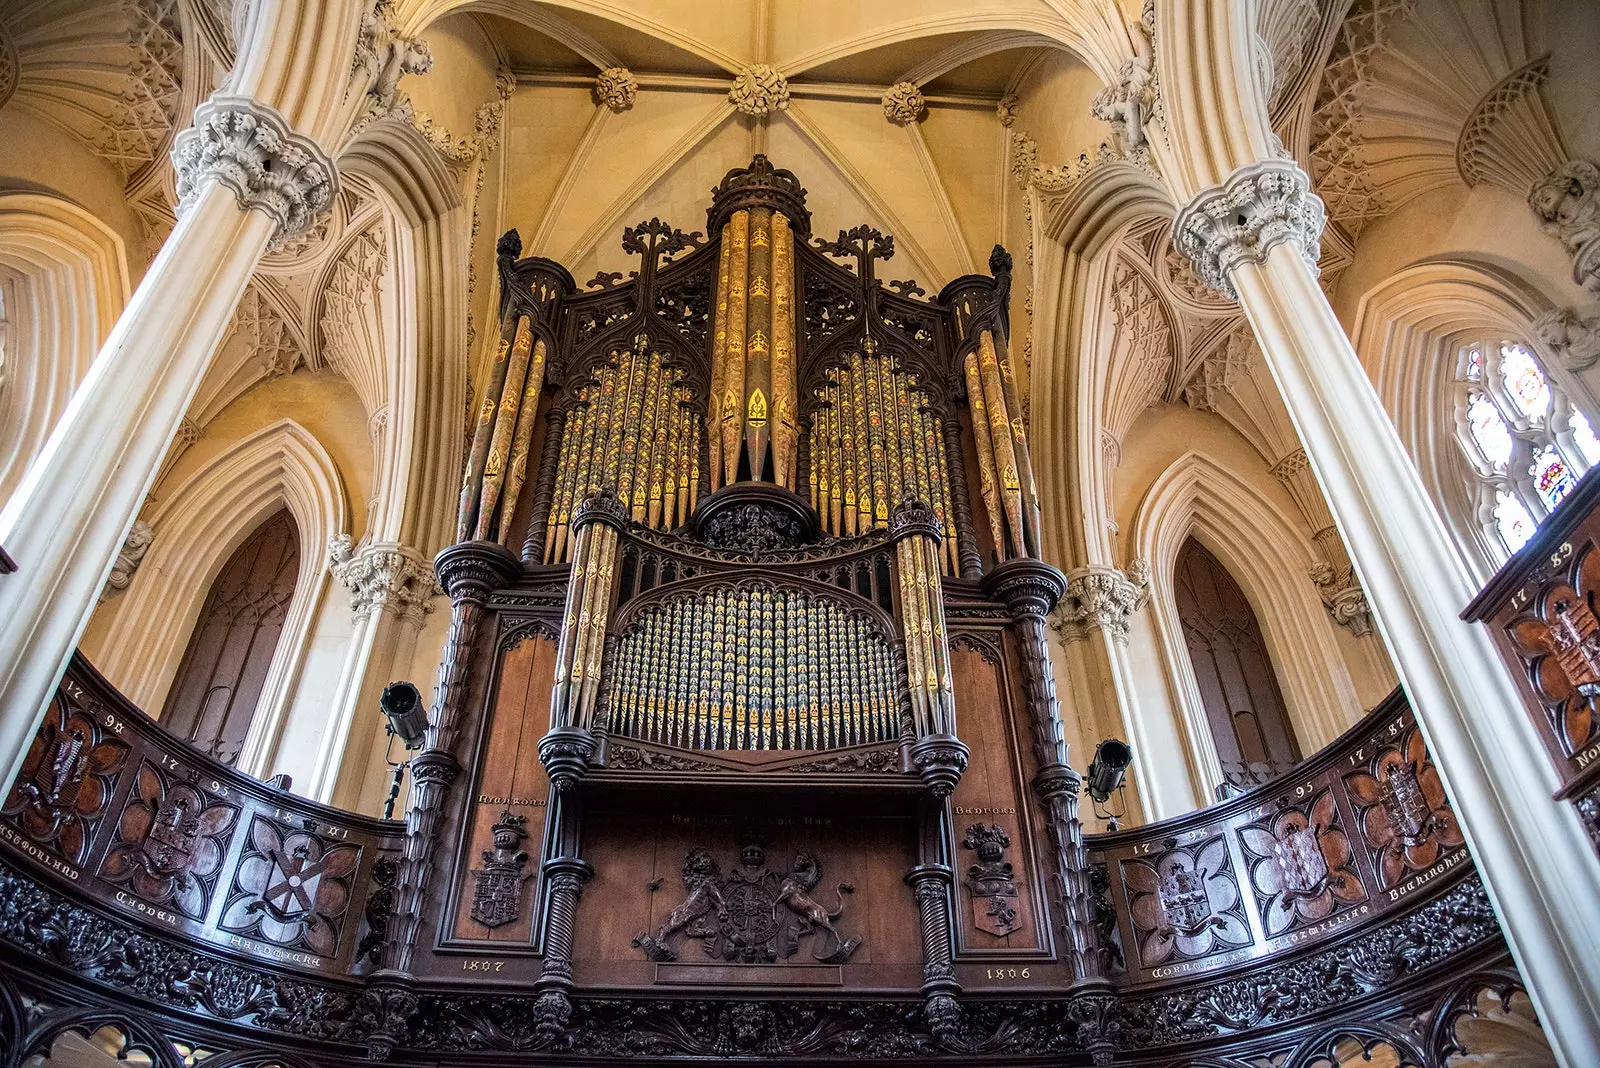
[497, 893]
[754, 914]
[992, 881]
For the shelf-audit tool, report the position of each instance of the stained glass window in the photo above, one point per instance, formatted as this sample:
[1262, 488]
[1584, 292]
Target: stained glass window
[1488, 429]
[1512, 521]
[1550, 476]
[1510, 414]
[1524, 382]
[1583, 437]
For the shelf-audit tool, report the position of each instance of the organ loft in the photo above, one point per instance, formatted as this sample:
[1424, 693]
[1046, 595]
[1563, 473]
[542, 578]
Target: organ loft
[607, 533]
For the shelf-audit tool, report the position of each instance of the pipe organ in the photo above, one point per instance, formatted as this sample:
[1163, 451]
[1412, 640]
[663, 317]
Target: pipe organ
[745, 741]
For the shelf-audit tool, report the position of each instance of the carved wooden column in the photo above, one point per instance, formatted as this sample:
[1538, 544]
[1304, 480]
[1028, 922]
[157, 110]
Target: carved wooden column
[955, 460]
[468, 572]
[555, 423]
[1029, 589]
[932, 883]
[564, 876]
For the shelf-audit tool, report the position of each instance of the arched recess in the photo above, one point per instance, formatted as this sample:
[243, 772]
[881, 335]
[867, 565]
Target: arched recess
[197, 528]
[1074, 254]
[1270, 556]
[418, 433]
[66, 278]
[1407, 331]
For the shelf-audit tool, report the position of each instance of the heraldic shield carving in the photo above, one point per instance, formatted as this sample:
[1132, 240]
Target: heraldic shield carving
[992, 881]
[497, 897]
[755, 914]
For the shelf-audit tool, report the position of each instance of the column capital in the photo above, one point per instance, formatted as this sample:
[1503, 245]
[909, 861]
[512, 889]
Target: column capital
[1101, 598]
[384, 576]
[1261, 205]
[249, 147]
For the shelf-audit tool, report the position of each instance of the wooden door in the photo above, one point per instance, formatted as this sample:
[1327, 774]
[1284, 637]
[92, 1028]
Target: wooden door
[1238, 685]
[214, 697]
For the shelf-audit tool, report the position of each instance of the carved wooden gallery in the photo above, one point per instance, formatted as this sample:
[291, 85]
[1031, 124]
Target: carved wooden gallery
[745, 745]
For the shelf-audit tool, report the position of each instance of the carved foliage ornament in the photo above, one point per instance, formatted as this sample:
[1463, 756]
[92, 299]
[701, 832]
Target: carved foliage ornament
[1102, 598]
[759, 90]
[249, 148]
[903, 103]
[384, 577]
[1259, 207]
[616, 88]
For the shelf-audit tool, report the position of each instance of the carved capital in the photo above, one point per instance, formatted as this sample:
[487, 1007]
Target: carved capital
[435, 766]
[912, 516]
[940, 759]
[248, 147]
[1260, 206]
[1025, 586]
[470, 569]
[384, 577]
[759, 90]
[1102, 598]
[903, 103]
[603, 507]
[1342, 593]
[616, 88]
[566, 753]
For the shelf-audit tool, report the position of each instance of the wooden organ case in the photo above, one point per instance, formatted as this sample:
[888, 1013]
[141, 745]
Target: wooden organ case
[746, 685]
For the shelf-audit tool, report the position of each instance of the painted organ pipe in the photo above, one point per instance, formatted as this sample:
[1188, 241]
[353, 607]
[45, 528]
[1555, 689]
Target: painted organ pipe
[632, 428]
[575, 692]
[497, 462]
[1004, 466]
[752, 414]
[875, 439]
[752, 668]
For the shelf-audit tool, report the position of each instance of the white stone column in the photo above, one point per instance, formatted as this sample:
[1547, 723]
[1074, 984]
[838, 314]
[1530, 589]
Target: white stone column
[1255, 237]
[392, 592]
[244, 179]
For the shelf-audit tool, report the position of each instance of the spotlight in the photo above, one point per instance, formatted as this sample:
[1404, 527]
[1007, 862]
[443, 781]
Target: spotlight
[1106, 772]
[402, 705]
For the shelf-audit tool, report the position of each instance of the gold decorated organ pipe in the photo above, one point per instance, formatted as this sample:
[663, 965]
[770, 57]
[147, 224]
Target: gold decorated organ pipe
[483, 432]
[1019, 436]
[785, 408]
[1000, 438]
[719, 363]
[758, 343]
[522, 440]
[505, 422]
[737, 232]
[988, 478]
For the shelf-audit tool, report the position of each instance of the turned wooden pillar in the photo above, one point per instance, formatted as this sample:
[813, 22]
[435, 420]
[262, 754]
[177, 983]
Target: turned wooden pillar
[555, 423]
[1029, 589]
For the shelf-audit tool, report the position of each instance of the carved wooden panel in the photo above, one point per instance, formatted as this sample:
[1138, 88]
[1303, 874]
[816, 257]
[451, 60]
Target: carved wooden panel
[1407, 824]
[1238, 686]
[509, 781]
[213, 698]
[171, 839]
[1184, 901]
[1301, 862]
[292, 888]
[64, 788]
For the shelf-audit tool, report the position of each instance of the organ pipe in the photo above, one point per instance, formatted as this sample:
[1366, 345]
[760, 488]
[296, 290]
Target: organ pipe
[1005, 468]
[632, 428]
[753, 668]
[497, 460]
[915, 534]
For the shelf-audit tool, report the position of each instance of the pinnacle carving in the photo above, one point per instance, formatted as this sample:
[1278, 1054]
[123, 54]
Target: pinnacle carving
[1260, 206]
[616, 88]
[384, 577]
[904, 104]
[1102, 598]
[249, 148]
[759, 90]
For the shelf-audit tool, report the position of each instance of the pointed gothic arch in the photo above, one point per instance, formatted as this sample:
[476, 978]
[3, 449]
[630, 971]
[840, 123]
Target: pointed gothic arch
[196, 530]
[1270, 557]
